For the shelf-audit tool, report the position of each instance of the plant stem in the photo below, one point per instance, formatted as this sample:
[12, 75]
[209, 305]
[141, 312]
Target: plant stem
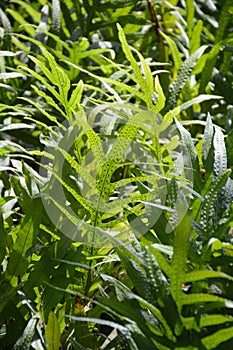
[154, 20]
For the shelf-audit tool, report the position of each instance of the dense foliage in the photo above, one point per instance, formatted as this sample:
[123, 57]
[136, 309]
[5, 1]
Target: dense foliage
[116, 149]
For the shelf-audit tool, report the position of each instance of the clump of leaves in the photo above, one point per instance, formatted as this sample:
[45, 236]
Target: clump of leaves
[183, 265]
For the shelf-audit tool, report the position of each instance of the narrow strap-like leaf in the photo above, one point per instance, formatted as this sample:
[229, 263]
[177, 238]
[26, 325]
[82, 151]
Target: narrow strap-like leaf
[179, 258]
[52, 332]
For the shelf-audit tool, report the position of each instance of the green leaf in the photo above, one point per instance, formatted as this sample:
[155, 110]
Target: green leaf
[24, 342]
[7, 31]
[210, 63]
[52, 332]
[21, 193]
[18, 18]
[160, 98]
[109, 81]
[146, 84]
[184, 74]
[220, 154]
[174, 51]
[190, 155]
[131, 59]
[76, 95]
[199, 298]
[179, 258]
[114, 325]
[203, 275]
[46, 114]
[214, 340]
[40, 78]
[27, 234]
[76, 345]
[3, 239]
[195, 41]
[50, 101]
[208, 137]
[208, 206]
[223, 20]
[12, 75]
[190, 16]
[210, 320]
[55, 25]
[162, 261]
[28, 9]
[197, 100]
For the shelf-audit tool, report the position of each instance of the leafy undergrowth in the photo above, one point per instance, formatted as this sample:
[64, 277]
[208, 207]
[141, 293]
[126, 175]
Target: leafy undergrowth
[115, 176]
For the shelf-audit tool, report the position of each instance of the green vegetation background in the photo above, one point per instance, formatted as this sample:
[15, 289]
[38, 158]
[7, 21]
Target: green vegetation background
[171, 288]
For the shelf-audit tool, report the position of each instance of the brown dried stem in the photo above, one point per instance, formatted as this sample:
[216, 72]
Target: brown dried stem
[154, 20]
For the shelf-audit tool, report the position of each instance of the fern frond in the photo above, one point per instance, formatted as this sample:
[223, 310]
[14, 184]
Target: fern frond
[6, 45]
[208, 211]
[196, 100]
[179, 259]
[24, 342]
[223, 20]
[138, 276]
[119, 342]
[52, 331]
[76, 345]
[160, 96]
[192, 167]
[208, 138]
[228, 191]
[210, 63]
[182, 77]
[214, 340]
[174, 51]
[220, 154]
[195, 41]
[56, 13]
[190, 16]
[173, 192]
